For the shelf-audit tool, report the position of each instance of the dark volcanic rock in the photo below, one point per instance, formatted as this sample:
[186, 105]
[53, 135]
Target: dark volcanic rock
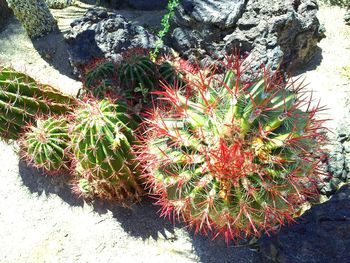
[5, 13]
[274, 32]
[338, 162]
[347, 18]
[101, 35]
[148, 4]
[321, 235]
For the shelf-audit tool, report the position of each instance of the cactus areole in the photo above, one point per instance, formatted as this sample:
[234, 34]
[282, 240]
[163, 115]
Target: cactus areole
[234, 157]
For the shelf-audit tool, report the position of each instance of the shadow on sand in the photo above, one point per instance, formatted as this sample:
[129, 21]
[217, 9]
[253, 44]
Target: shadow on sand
[139, 220]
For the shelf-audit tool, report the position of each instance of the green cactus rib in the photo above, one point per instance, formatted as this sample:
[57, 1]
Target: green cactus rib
[138, 73]
[235, 157]
[99, 73]
[45, 145]
[22, 100]
[102, 136]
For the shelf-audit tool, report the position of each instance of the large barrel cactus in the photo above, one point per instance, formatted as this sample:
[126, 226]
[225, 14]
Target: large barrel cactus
[102, 135]
[22, 100]
[231, 156]
[45, 145]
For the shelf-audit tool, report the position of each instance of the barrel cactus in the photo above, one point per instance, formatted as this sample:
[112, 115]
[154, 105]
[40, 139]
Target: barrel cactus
[232, 157]
[101, 138]
[45, 145]
[100, 78]
[137, 73]
[22, 99]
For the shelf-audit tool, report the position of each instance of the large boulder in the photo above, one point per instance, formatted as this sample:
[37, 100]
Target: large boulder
[276, 32]
[5, 13]
[101, 35]
[321, 235]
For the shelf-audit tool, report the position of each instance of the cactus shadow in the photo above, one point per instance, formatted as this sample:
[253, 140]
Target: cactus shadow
[208, 250]
[38, 182]
[54, 50]
[139, 220]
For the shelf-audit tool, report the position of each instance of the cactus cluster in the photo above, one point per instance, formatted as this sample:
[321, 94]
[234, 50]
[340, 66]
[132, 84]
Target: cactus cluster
[22, 100]
[89, 139]
[136, 76]
[227, 155]
[234, 157]
[101, 138]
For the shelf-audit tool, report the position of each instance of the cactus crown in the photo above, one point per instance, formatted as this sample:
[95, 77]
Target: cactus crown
[45, 145]
[231, 156]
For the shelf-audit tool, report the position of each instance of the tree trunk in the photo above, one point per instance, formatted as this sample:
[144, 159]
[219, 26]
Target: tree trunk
[34, 15]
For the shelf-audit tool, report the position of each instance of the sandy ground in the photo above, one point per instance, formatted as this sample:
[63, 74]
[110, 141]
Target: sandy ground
[40, 221]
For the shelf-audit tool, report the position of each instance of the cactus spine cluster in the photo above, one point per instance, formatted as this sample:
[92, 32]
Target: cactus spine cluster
[22, 100]
[233, 157]
[101, 138]
[45, 145]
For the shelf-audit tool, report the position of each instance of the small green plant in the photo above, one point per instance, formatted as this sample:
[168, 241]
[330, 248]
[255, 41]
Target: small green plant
[45, 145]
[229, 156]
[172, 4]
[22, 99]
[101, 138]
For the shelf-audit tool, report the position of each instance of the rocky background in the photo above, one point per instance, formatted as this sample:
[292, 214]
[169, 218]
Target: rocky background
[283, 34]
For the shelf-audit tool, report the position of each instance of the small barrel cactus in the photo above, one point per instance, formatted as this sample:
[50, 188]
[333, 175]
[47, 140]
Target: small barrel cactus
[45, 145]
[101, 138]
[22, 100]
[234, 157]
[137, 73]
[100, 77]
